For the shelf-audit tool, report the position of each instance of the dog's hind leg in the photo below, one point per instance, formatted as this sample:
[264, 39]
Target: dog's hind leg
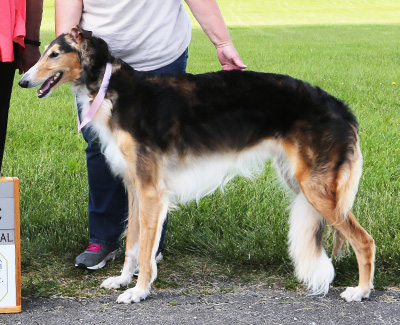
[153, 206]
[364, 247]
[306, 226]
[132, 245]
[332, 191]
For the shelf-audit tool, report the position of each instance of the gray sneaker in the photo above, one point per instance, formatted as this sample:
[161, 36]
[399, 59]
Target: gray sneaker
[95, 257]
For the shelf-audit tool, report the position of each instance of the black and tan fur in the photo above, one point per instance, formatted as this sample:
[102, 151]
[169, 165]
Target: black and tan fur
[174, 138]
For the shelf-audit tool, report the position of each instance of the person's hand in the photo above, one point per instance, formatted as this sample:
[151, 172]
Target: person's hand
[229, 57]
[29, 56]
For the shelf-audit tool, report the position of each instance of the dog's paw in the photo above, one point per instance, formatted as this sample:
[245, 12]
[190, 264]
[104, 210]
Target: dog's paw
[115, 282]
[353, 294]
[133, 295]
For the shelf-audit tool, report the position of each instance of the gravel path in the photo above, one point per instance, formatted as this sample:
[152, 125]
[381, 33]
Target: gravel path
[245, 304]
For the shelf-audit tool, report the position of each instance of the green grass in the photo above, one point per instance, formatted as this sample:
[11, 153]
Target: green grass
[350, 50]
[308, 12]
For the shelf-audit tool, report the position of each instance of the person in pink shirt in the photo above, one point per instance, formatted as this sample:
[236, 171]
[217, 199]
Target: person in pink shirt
[19, 49]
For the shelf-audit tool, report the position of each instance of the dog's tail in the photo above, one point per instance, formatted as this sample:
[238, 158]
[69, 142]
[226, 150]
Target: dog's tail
[312, 265]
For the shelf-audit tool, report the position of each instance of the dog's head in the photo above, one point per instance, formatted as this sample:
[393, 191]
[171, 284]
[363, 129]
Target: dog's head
[76, 57]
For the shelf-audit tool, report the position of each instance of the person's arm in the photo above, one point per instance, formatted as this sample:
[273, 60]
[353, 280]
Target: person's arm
[68, 14]
[209, 16]
[31, 53]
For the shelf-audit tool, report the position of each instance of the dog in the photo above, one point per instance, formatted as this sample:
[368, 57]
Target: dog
[176, 138]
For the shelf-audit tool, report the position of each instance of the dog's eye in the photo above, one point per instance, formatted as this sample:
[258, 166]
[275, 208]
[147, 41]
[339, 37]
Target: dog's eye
[54, 54]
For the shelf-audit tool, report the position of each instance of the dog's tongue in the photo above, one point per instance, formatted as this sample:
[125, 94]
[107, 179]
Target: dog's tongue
[45, 86]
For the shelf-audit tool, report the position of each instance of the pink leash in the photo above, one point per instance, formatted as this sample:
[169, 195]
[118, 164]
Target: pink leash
[98, 100]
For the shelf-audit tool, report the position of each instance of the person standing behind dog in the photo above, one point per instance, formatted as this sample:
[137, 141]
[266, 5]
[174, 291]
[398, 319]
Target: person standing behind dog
[19, 48]
[150, 35]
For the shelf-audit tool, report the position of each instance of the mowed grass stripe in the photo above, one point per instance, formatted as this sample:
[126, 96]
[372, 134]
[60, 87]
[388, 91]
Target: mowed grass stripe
[308, 12]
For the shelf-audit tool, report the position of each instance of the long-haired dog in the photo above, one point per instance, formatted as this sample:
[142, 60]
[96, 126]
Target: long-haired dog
[175, 138]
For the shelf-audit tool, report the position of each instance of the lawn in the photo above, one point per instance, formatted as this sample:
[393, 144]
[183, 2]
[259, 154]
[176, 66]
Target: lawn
[349, 48]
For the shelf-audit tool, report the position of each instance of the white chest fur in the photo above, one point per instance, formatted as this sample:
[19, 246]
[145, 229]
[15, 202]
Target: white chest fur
[109, 147]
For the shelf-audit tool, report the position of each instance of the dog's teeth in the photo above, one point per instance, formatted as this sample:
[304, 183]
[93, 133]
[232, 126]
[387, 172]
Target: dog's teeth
[41, 91]
[54, 77]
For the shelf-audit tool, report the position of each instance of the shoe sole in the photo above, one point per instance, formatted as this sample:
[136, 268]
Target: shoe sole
[110, 256]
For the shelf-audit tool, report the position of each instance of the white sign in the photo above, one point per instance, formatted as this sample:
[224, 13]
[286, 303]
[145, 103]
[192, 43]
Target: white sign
[10, 295]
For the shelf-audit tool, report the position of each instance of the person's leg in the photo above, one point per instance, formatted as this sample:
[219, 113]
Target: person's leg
[7, 71]
[108, 200]
[107, 207]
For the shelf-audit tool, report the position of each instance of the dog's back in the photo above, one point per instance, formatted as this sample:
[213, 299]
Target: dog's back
[226, 110]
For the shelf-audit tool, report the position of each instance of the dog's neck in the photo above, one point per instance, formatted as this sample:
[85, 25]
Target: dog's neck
[96, 103]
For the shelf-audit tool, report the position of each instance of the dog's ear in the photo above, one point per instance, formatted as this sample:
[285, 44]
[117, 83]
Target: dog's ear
[80, 34]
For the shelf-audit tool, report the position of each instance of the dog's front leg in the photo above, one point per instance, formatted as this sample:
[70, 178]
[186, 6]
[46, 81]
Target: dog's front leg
[153, 206]
[132, 245]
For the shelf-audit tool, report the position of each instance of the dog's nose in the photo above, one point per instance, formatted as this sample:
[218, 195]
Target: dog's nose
[23, 83]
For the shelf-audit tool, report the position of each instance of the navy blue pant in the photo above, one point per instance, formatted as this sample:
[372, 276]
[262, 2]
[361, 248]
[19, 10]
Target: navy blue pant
[108, 200]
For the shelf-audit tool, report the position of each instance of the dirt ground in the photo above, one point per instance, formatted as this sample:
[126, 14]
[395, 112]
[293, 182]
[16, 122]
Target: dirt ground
[242, 304]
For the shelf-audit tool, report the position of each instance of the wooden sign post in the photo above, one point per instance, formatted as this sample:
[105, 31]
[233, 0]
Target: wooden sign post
[10, 246]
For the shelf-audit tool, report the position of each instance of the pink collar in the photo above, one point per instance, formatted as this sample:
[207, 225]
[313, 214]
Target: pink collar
[98, 100]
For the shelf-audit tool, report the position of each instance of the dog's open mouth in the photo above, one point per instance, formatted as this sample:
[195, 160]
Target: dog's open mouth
[44, 90]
